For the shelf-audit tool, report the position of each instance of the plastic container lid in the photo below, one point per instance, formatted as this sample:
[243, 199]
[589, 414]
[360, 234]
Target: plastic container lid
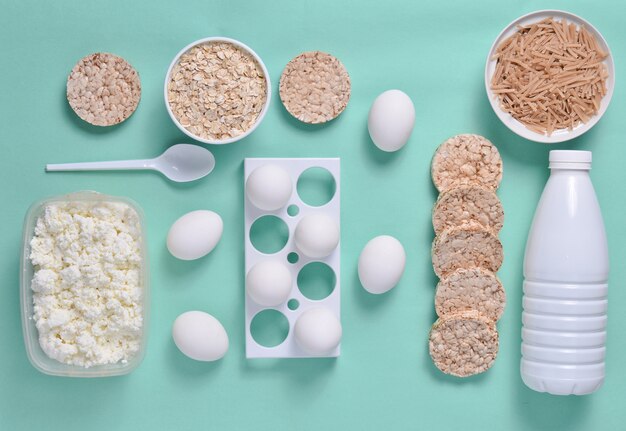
[570, 159]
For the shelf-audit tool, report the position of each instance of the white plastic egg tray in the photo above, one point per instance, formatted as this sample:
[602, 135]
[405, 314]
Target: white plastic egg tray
[295, 167]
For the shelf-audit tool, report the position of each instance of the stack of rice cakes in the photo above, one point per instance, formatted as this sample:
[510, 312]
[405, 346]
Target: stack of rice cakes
[466, 254]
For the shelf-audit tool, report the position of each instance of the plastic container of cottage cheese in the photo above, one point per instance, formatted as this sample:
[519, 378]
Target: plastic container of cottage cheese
[37, 356]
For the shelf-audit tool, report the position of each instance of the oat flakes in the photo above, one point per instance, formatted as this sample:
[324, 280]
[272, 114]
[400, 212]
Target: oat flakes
[217, 90]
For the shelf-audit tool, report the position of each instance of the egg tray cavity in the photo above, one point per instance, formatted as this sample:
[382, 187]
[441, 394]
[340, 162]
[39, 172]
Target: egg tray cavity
[295, 167]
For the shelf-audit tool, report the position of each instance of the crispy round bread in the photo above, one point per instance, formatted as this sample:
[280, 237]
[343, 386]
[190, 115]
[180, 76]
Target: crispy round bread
[103, 89]
[465, 204]
[470, 289]
[466, 159]
[463, 344]
[467, 246]
[315, 87]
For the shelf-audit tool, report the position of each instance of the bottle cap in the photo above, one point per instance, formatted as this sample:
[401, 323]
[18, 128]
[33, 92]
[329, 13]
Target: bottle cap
[570, 159]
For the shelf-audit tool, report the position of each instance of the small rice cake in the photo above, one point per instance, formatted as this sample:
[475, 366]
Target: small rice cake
[463, 344]
[466, 159]
[465, 204]
[470, 289]
[103, 89]
[315, 87]
[466, 246]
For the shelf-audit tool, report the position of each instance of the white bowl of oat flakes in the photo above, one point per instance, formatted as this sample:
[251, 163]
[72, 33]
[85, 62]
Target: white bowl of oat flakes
[217, 90]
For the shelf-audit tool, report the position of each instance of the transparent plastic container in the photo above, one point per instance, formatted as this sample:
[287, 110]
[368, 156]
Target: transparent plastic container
[36, 355]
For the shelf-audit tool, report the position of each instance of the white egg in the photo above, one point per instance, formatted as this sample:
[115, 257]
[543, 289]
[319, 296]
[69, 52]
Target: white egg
[200, 336]
[317, 235]
[269, 283]
[391, 120]
[195, 234]
[269, 187]
[317, 331]
[381, 264]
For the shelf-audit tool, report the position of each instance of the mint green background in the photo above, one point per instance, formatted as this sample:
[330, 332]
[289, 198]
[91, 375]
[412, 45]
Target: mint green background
[384, 379]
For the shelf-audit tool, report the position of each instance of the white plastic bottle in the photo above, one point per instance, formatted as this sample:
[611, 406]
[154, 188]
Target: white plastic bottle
[566, 270]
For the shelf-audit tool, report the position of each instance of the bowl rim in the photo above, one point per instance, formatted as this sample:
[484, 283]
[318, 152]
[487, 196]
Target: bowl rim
[561, 135]
[30, 335]
[268, 93]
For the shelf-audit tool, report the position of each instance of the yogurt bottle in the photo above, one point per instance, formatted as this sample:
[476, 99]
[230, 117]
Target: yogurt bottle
[566, 269]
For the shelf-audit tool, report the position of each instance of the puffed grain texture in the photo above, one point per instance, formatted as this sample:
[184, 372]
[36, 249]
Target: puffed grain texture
[466, 159]
[470, 289]
[103, 89]
[466, 246]
[463, 344]
[315, 87]
[464, 204]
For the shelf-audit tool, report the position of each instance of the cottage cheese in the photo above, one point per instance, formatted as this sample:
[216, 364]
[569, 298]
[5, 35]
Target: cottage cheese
[87, 286]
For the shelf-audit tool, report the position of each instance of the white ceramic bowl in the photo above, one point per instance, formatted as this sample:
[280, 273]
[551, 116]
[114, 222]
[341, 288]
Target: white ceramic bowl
[560, 135]
[267, 95]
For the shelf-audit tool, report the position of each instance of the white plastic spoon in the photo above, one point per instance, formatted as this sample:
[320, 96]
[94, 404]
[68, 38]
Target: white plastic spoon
[180, 163]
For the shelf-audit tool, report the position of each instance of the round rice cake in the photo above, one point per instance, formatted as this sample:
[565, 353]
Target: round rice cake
[466, 159]
[103, 89]
[315, 87]
[470, 289]
[463, 344]
[466, 246]
[465, 204]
